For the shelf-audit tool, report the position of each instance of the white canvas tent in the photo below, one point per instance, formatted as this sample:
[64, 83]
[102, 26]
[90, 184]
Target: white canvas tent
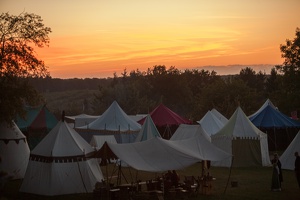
[244, 141]
[97, 141]
[157, 154]
[62, 163]
[114, 121]
[221, 117]
[82, 119]
[186, 131]
[211, 123]
[148, 130]
[14, 151]
[287, 159]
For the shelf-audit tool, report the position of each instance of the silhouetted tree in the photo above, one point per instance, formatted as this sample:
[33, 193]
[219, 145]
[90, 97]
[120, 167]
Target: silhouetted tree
[18, 61]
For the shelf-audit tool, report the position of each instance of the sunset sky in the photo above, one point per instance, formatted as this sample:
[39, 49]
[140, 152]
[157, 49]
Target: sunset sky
[95, 38]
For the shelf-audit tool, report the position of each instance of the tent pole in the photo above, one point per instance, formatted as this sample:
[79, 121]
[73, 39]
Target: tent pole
[229, 174]
[81, 176]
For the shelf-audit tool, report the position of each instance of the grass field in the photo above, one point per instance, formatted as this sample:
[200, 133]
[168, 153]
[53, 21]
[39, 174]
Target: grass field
[253, 183]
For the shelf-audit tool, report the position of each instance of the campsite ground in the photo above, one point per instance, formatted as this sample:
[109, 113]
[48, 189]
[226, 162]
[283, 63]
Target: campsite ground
[253, 183]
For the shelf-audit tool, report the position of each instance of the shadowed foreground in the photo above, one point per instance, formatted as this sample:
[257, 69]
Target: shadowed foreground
[252, 183]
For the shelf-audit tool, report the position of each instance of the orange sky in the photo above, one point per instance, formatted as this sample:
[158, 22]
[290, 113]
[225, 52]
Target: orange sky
[96, 38]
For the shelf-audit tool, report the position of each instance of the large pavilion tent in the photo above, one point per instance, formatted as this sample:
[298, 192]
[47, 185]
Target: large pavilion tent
[62, 163]
[38, 121]
[221, 117]
[14, 151]
[158, 154]
[211, 123]
[287, 159]
[148, 130]
[280, 128]
[166, 120]
[244, 141]
[186, 131]
[114, 121]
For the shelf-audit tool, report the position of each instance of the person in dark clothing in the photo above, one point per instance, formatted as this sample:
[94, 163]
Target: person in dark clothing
[297, 167]
[175, 178]
[277, 174]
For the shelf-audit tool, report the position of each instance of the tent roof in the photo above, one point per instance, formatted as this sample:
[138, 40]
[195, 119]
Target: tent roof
[62, 141]
[163, 116]
[37, 118]
[221, 117]
[186, 131]
[211, 123]
[157, 154]
[8, 132]
[239, 126]
[268, 116]
[148, 130]
[113, 119]
[80, 116]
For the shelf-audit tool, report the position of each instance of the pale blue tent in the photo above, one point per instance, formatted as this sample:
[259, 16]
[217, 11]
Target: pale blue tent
[148, 130]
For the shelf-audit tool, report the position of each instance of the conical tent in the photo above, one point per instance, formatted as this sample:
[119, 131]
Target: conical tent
[14, 151]
[221, 117]
[163, 116]
[287, 159]
[62, 163]
[148, 130]
[211, 123]
[166, 120]
[244, 141]
[280, 128]
[36, 124]
[186, 131]
[268, 116]
[114, 121]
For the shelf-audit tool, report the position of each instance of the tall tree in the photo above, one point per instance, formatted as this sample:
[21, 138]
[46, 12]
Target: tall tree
[18, 61]
[290, 68]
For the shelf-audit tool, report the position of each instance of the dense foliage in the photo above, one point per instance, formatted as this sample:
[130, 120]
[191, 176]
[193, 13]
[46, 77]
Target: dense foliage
[191, 93]
[18, 36]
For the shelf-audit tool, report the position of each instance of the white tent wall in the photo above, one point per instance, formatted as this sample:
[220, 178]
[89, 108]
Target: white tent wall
[224, 143]
[185, 131]
[14, 151]
[52, 179]
[265, 157]
[121, 137]
[98, 140]
[14, 158]
[246, 152]
[287, 159]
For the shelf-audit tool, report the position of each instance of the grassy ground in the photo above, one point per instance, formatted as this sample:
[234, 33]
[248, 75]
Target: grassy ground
[253, 183]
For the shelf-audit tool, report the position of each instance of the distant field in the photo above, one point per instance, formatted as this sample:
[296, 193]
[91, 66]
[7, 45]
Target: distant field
[253, 184]
[70, 101]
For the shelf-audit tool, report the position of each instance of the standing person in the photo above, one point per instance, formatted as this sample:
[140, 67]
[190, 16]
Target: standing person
[297, 167]
[175, 178]
[277, 174]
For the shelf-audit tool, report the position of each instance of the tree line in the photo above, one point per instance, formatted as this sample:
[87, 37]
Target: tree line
[190, 93]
